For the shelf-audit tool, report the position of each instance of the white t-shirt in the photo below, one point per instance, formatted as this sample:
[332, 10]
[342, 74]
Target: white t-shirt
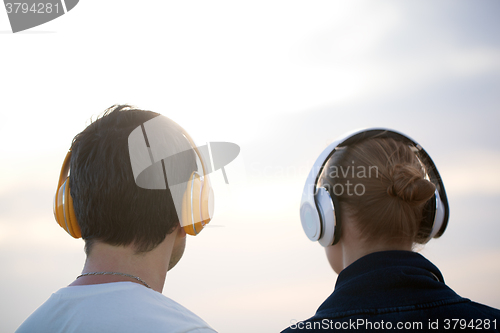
[112, 307]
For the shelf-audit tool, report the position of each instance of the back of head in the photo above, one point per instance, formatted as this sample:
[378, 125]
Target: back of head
[108, 204]
[381, 184]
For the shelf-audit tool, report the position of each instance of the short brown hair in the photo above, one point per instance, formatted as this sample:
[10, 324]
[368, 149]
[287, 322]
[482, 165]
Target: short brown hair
[108, 204]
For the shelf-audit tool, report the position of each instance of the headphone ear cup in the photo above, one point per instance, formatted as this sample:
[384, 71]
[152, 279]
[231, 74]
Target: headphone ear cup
[336, 212]
[433, 218]
[64, 212]
[186, 209]
[58, 206]
[428, 215]
[207, 201]
[326, 211]
[74, 228]
[192, 220]
[439, 217]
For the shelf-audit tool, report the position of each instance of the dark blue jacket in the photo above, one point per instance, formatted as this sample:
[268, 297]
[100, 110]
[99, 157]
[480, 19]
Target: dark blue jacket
[397, 291]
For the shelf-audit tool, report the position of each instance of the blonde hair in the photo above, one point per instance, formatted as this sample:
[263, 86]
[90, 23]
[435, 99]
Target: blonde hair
[388, 189]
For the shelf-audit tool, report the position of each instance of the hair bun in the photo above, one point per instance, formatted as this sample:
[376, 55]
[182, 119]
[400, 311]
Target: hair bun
[408, 184]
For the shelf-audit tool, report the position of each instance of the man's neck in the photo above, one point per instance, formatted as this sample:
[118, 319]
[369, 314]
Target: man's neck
[151, 267]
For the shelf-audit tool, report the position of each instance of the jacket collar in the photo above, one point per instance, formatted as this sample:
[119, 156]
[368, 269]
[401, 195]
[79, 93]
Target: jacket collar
[385, 279]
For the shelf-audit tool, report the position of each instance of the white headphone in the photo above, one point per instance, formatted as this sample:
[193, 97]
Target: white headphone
[319, 209]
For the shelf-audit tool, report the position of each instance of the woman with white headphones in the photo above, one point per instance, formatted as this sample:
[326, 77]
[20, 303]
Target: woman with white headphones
[369, 199]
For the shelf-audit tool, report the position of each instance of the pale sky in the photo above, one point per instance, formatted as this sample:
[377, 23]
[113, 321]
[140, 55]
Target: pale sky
[282, 79]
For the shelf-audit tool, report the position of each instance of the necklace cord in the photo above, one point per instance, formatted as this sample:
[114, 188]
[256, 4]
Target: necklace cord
[116, 273]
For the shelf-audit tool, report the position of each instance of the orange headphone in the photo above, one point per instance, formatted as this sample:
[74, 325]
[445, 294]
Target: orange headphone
[197, 201]
[63, 203]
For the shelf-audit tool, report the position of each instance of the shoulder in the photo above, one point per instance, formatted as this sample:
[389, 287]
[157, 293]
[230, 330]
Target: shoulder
[154, 309]
[481, 310]
[124, 307]
[441, 315]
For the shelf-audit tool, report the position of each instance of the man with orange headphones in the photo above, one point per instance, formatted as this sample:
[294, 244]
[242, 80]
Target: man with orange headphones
[133, 193]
